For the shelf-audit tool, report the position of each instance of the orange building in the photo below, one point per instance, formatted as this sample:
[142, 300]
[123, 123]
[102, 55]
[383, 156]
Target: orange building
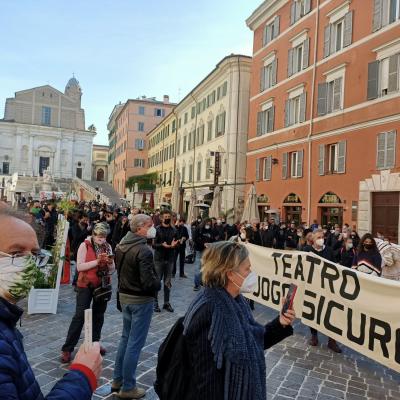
[135, 119]
[324, 111]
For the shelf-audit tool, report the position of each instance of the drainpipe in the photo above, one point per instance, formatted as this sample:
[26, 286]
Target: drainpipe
[162, 163]
[237, 137]
[311, 124]
[194, 140]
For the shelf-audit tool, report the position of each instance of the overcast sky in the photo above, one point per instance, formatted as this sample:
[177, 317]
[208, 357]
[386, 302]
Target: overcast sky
[117, 49]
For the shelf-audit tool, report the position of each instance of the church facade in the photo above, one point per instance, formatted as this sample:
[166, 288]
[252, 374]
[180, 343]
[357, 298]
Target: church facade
[44, 129]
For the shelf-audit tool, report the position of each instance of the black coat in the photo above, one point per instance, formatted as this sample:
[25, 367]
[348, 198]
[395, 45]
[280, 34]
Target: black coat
[291, 238]
[164, 234]
[269, 235]
[119, 232]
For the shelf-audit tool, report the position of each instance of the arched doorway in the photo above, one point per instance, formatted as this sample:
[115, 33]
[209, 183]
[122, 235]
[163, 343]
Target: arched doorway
[100, 175]
[331, 209]
[292, 208]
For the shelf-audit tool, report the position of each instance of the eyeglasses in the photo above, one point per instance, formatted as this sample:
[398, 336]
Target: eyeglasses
[19, 259]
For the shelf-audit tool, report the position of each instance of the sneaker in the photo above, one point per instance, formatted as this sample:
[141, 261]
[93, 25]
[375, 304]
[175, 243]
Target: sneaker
[314, 340]
[196, 288]
[333, 346]
[103, 351]
[157, 308]
[168, 307]
[115, 386]
[135, 393]
[65, 357]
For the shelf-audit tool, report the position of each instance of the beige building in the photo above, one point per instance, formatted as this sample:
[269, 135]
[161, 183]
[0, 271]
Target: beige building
[100, 163]
[44, 129]
[161, 157]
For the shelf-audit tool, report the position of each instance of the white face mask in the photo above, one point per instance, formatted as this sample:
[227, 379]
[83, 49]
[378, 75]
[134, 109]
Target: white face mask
[207, 226]
[151, 233]
[319, 242]
[249, 284]
[17, 279]
[349, 245]
[243, 236]
[100, 241]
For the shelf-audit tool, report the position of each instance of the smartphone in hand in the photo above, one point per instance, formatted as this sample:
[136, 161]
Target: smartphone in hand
[288, 304]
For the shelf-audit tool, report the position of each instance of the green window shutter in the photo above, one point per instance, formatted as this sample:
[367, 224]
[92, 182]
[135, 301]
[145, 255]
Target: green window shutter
[306, 53]
[284, 165]
[337, 94]
[290, 62]
[293, 12]
[257, 169]
[394, 73]
[274, 72]
[373, 80]
[348, 29]
[390, 149]
[377, 16]
[300, 156]
[342, 157]
[303, 106]
[321, 159]
[327, 41]
[381, 146]
[322, 98]
[277, 26]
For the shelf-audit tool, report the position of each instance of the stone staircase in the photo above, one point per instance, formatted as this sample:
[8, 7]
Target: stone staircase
[106, 190]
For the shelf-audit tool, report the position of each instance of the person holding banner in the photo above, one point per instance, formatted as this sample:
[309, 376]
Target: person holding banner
[326, 252]
[225, 344]
[368, 258]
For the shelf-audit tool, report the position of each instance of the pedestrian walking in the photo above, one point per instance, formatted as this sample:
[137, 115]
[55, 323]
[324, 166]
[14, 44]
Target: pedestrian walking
[138, 284]
[17, 380]
[94, 264]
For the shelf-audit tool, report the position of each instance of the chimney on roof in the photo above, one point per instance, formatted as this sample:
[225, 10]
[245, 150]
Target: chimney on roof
[166, 99]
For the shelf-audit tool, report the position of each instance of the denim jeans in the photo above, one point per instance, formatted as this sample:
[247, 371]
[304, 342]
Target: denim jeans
[136, 324]
[164, 271]
[197, 272]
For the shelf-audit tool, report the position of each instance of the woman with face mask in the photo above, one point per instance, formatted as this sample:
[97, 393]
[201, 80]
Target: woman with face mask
[94, 262]
[368, 258]
[225, 344]
[346, 253]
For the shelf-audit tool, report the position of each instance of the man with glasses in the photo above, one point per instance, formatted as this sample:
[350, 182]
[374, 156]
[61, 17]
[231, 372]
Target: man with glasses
[19, 257]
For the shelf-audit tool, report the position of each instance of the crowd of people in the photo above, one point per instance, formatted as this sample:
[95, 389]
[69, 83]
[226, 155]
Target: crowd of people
[148, 249]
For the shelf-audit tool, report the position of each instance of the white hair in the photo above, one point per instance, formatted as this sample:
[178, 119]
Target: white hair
[138, 221]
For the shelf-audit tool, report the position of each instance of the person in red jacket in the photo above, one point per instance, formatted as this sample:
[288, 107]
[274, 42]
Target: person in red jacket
[18, 256]
[93, 258]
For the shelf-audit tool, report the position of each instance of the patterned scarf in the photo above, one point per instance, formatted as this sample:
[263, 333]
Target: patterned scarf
[237, 342]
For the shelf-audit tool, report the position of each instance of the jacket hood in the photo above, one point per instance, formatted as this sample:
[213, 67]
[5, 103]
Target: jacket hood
[129, 239]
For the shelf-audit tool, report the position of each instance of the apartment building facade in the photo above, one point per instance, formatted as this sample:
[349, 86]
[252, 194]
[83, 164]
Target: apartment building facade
[324, 112]
[133, 121]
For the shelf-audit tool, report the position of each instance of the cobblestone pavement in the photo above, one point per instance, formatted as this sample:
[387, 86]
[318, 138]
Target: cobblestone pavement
[294, 369]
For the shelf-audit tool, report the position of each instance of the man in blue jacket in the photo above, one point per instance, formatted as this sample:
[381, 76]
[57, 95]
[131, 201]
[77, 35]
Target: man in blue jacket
[18, 255]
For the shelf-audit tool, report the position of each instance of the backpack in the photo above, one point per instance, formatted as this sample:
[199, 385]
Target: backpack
[173, 370]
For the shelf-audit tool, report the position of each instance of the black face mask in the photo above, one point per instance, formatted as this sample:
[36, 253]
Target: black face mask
[167, 221]
[368, 246]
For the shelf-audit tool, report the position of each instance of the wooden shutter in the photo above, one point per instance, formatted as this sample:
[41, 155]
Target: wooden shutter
[348, 29]
[298, 11]
[259, 116]
[322, 98]
[327, 41]
[290, 62]
[380, 157]
[390, 149]
[307, 6]
[373, 78]
[303, 106]
[321, 159]
[276, 26]
[394, 73]
[300, 156]
[257, 169]
[264, 42]
[271, 117]
[337, 94]
[287, 112]
[262, 80]
[306, 53]
[274, 72]
[377, 16]
[293, 12]
[284, 165]
[269, 35]
[267, 168]
[342, 157]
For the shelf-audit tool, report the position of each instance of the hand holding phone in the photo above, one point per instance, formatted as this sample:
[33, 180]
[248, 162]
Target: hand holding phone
[288, 303]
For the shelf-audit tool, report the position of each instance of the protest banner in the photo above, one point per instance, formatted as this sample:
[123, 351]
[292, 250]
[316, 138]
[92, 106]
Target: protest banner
[356, 309]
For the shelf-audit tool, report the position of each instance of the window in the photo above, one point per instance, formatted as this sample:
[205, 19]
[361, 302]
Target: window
[330, 96]
[159, 112]
[218, 93]
[385, 12]
[198, 171]
[193, 113]
[220, 124]
[170, 178]
[338, 34]
[139, 144]
[46, 115]
[179, 122]
[295, 110]
[183, 174]
[141, 126]
[209, 129]
[332, 158]
[298, 58]
[138, 163]
[298, 9]
[258, 169]
[224, 88]
[208, 168]
[268, 75]
[191, 173]
[386, 150]
[200, 135]
[186, 118]
[383, 77]
[184, 144]
[265, 121]
[292, 164]
[6, 168]
[141, 110]
[174, 125]
[271, 31]
[190, 141]
[267, 171]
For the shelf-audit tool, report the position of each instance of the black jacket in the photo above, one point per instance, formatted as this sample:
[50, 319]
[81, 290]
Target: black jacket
[291, 238]
[78, 236]
[164, 234]
[135, 266]
[345, 257]
[119, 232]
[326, 253]
[203, 236]
[269, 235]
